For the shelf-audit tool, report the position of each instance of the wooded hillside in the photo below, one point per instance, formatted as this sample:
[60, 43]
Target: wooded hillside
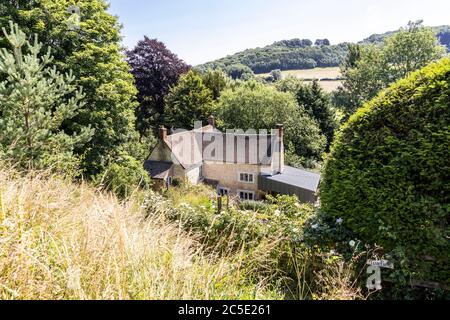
[302, 53]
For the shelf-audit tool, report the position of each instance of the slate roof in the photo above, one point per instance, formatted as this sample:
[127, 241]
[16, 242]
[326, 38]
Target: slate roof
[297, 178]
[246, 147]
[158, 169]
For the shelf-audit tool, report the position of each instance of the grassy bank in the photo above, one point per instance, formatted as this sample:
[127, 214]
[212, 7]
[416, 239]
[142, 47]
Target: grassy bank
[59, 240]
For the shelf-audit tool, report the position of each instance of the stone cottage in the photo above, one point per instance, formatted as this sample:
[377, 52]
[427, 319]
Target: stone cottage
[244, 164]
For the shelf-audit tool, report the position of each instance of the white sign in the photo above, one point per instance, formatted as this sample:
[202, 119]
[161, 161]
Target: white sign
[381, 264]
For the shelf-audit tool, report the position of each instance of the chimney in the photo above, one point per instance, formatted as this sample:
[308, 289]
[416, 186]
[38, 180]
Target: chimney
[162, 133]
[211, 121]
[280, 128]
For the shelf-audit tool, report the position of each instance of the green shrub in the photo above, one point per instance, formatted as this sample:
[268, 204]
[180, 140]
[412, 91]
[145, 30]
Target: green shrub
[124, 176]
[388, 175]
[254, 205]
[272, 237]
[177, 182]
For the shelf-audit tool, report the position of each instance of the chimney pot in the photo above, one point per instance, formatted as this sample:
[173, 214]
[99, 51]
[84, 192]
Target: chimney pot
[211, 121]
[280, 128]
[162, 133]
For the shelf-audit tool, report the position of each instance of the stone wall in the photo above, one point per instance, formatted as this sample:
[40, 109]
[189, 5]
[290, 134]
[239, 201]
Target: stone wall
[228, 176]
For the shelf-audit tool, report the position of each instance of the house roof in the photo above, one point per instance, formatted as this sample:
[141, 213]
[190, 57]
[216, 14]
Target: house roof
[209, 144]
[158, 169]
[292, 181]
[297, 178]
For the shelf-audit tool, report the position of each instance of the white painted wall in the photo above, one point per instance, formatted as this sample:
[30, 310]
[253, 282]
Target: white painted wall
[194, 176]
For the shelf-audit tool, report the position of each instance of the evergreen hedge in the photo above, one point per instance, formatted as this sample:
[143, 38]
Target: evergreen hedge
[388, 175]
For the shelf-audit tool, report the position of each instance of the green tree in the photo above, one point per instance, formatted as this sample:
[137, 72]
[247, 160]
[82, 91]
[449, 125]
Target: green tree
[314, 100]
[255, 106]
[35, 100]
[92, 50]
[239, 72]
[216, 81]
[410, 49]
[372, 68]
[289, 84]
[318, 104]
[364, 78]
[275, 75]
[124, 176]
[189, 101]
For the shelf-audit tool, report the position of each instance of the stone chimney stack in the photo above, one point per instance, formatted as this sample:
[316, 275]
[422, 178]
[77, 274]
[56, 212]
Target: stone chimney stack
[280, 128]
[211, 121]
[162, 133]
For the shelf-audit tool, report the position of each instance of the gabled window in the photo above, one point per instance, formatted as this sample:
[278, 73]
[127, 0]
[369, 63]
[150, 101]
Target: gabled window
[246, 177]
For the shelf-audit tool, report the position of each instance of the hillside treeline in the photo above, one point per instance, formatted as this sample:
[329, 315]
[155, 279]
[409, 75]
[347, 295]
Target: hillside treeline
[302, 54]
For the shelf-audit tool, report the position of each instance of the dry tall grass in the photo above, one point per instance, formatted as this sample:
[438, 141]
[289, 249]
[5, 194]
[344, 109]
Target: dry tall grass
[59, 240]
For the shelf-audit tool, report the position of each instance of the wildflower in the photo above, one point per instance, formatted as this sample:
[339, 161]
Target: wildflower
[339, 221]
[315, 226]
[277, 213]
[352, 243]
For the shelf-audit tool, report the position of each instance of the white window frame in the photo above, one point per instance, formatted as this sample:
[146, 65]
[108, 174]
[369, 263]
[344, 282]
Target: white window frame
[249, 193]
[219, 189]
[249, 174]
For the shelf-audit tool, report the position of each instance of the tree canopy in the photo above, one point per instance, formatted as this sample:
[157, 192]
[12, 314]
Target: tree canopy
[92, 51]
[318, 105]
[371, 68]
[189, 101]
[216, 81]
[35, 100]
[156, 69]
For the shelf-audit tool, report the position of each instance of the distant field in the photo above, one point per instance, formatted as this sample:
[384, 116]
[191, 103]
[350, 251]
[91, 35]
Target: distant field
[329, 86]
[317, 73]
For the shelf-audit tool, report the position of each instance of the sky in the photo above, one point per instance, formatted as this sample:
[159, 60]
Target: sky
[199, 31]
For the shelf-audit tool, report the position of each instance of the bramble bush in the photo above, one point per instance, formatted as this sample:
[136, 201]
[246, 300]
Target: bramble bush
[388, 175]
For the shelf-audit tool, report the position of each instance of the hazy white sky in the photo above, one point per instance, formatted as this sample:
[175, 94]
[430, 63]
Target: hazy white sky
[204, 30]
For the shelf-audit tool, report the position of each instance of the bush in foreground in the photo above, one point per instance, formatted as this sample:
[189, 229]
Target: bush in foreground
[388, 175]
[274, 238]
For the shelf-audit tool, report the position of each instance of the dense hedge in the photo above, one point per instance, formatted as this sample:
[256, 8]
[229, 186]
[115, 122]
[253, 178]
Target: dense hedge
[388, 175]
